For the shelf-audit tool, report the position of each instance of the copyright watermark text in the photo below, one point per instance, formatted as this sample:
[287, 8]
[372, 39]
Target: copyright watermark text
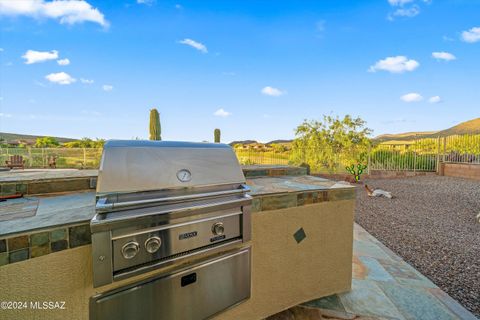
[35, 305]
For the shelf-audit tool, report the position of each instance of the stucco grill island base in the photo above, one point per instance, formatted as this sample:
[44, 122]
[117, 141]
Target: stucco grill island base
[301, 249]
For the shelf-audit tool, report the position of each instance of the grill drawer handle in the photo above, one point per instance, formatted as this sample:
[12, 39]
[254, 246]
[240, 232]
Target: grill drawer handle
[188, 279]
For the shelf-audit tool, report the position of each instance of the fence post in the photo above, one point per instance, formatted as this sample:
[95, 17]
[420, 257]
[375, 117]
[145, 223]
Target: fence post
[369, 159]
[444, 149]
[438, 155]
[415, 154]
[84, 158]
[30, 160]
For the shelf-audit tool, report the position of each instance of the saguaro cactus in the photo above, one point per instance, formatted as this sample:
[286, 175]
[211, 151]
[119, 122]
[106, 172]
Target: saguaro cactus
[155, 127]
[216, 135]
[356, 172]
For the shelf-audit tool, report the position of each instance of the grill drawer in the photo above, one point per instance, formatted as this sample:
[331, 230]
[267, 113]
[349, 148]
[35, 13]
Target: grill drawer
[194, 293]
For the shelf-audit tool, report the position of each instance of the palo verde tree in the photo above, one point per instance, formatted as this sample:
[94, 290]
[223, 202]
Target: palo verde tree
[331, 144]
[216, 135]
[85, 143]
[46, 142]
[155, 128]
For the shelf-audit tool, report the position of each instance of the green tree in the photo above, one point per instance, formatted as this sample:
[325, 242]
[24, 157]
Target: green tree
[216, 135]
[85, 143]
[331, 144]
[46, 142]
[155, 127]
[278, 147]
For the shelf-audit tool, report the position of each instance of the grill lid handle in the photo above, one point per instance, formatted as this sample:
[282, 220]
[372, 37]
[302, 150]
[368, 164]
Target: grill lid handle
[103, 205]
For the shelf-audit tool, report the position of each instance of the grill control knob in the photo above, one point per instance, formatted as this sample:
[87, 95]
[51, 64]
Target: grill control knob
[218, 229]
[153, 244]
[130, 250]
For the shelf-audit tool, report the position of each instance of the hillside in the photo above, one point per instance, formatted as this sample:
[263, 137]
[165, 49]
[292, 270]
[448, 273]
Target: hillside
[467, 127]
[30, 139]
[242, 142]
[407, 136]
[287, 142]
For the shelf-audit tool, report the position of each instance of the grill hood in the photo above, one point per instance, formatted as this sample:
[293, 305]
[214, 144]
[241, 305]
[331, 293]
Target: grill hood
[129, 166]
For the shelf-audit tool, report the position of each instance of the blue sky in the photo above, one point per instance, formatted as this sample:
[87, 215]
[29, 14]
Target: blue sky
[254, 69]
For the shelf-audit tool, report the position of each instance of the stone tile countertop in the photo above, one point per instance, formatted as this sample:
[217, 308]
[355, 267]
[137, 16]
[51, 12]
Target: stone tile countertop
[44, 174]
[287, 184]
[52, 211]
[79, 207]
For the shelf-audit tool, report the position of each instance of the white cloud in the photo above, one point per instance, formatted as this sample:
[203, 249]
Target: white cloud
[178, 6]
[271, 91]
[194, 44]
[60, 78]
[398, 64]
[222, 113]
[147, 2]
[443, 56]
[107, 87]
[448, 39]
[435, 99]
[399, 2]
[472, 35]
[32, 56]
[63, 62]
[407, 12]
[66, 11]
[5, 115]
[1, 49]
[406, 8]
[86, 81]
[411, 97]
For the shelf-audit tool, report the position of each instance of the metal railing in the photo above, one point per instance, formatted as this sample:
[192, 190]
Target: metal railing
[252, 156]
[416, 155]
[81, 158]
[461, 149]
[420, 155]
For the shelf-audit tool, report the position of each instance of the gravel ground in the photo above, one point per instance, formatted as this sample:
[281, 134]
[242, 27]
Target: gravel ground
[431, 224]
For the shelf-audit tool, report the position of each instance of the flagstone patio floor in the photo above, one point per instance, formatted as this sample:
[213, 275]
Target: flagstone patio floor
[383, 287]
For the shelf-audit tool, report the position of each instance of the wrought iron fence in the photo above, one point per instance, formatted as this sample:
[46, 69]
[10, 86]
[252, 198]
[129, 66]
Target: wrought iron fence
[272, 157]
[62, 157]
[420, 155]
[461, 149]
[416, 155]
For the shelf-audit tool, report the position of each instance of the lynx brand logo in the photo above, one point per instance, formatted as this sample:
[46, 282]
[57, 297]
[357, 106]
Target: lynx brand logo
[187, 235]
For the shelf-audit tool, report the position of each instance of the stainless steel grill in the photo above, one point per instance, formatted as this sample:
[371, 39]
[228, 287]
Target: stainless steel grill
[164, 203]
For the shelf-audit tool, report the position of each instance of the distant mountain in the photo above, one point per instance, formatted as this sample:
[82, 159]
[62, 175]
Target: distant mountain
[467, 127]
[30, 139]
[279, 142]
[242, 142]
[407, 136]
